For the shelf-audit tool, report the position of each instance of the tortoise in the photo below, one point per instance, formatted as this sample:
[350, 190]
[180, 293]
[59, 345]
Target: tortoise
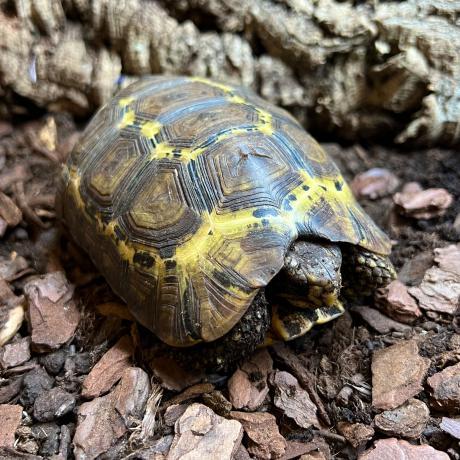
[190, 195]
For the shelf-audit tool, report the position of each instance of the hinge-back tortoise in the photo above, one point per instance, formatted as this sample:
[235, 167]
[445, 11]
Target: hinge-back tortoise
[190, 196]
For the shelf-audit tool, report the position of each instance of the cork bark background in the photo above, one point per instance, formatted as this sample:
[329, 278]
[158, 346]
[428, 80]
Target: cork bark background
[382, 71]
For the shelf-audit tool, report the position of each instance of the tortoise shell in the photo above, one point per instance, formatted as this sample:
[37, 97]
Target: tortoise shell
[186, 194]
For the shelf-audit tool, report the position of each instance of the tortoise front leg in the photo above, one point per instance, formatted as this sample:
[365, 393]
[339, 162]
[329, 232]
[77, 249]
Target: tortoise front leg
[365, 271]
[289, 323]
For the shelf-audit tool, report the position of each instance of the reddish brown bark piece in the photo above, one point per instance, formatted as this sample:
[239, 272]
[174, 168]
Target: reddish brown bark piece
[131, 394]
[448, 258]
[293, 400]
[10, 268]
[451, 426]
[406, 421]
[295, 448]
[397, 374]
[397, 303]
[357, 434]
[98, 427]
[414, 202]
[190, 393]
[102, 421]
[313, 456]
[173, 376]
[9, 211]
[109, 369]
[445, 389]
[200, 434]
[248, 387]
[439, 291]
[392, 449]
[10, 416]
[172, 413]
[14, 354]
[379, 321]
[374, 183]
[306, 379]
[53, 314]
[440, 288]
[265, 440]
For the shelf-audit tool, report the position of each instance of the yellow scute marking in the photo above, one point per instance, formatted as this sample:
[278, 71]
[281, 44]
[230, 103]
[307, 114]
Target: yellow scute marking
[325, 317]
[150, 129]
[164, 150]
[265, 129]
[331, 194]
[218, 238]
[215, 84]
[125, 101]
[197, 244]
[265, 122]
[191, 154]
[75, 180]
[126, 250]
[127, 120]
[237, 99]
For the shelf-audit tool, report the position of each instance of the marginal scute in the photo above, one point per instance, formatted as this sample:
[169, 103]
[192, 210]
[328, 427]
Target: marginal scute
[176, 100]
[187, 193]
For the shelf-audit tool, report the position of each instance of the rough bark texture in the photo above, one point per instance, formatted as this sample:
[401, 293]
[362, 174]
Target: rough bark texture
[386, 70]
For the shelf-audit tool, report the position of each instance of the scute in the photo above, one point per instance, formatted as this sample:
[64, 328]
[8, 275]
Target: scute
[161, 194]
[186, 193]
[226, 173]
